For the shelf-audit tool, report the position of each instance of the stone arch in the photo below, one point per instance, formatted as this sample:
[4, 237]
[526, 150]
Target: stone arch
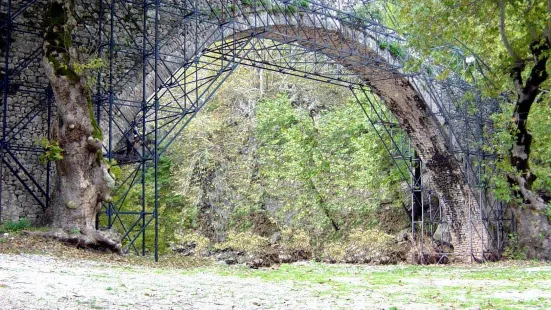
[414, 108]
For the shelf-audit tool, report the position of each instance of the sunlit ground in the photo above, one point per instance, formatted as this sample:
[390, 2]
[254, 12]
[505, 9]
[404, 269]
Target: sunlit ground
[38, 274]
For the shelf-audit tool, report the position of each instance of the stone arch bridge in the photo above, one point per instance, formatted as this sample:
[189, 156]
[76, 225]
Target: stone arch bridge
[163, 60]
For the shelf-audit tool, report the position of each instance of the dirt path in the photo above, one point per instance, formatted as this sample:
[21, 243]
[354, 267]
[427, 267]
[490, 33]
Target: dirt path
[29, 281]
[44, 282]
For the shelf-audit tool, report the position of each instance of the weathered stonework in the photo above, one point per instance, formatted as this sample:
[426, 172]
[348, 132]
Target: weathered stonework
[183, 39]
[26, 117]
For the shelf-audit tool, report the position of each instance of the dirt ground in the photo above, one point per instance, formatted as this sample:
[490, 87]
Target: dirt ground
[39, 275]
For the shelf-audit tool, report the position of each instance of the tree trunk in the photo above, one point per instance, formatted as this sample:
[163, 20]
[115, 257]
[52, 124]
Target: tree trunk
[81, 174]
[83, 179]
[533, 227]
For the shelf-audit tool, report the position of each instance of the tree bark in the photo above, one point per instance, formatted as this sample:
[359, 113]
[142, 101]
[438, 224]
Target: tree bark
[83, 179]
[533, 227]
[82, 176]
[526, 95]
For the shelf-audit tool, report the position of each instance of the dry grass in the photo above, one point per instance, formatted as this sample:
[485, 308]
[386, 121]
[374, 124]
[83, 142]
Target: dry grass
[18, 243]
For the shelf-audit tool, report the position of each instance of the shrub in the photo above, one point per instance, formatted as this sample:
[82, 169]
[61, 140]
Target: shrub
[362, 246]
[514, 250]
[368, 11]
[295, 240]
[372, 239]
[244, 241]
[334, 252]
[393, 48]
[194, 239]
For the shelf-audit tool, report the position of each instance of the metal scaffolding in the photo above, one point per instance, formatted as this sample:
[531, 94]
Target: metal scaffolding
[19, 116]
[146, 93]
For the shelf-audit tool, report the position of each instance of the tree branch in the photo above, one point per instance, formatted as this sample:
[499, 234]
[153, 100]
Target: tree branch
[520, 152]
[539, 73]
[516, 76]
[532, 200]
[530, 25]
[508, 46]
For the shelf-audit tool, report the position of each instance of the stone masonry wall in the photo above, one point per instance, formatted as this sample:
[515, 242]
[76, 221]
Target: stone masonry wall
[26, 113]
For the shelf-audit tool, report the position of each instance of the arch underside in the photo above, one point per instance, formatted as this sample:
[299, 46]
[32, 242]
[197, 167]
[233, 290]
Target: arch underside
[344, 54]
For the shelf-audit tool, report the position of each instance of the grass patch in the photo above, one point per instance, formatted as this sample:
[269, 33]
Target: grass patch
[14, 226]
[492, 286]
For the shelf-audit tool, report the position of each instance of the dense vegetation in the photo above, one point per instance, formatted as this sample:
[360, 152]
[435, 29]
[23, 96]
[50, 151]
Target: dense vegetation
[288, 159]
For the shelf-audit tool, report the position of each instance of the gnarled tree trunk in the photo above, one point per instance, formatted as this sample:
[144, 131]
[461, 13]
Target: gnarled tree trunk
[83, 179]
[533, 227]
[81, 174]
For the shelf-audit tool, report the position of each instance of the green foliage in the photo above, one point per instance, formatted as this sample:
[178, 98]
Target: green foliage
[365, 13]
[302, 3]
[539, 124]
[500, 143]
[14, 226]
[369, 11]
[331, 158]
[300, 163]
[465, 28]
[513, 250]
[52, 150]
[393, 48]
[96, 132]
[475, 24]
[290, 9]
[169, 201]
[114, 168]
[88, 69]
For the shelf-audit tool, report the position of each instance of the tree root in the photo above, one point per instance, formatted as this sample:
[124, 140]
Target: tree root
[85, 238]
